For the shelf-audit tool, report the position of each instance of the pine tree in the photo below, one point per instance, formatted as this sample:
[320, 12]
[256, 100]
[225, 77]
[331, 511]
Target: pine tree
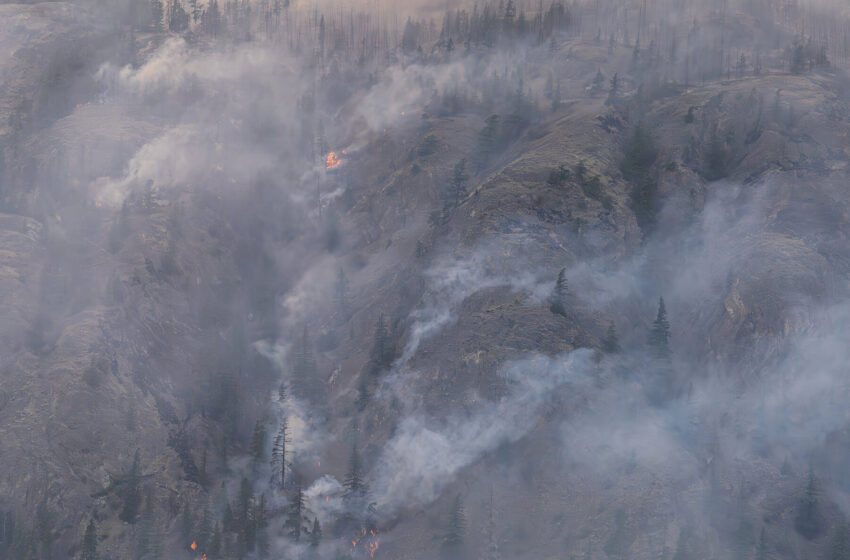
[556, 96]
[203, 476]
[279, 454]
[261, 521]
[615, 89]
[89, 546]
[457, 188]
[178, 19]
[381, 356]
[492, 551]
[455, 532]
[316, 533]
[305, 382]
[157, 14]
[132, 493]
[212, 18]
[560, 293]
[488, 138]
[44, 530]
[354, 483]
[194, 10]
[295, 515]
[187, 524]
[611, 344]
[215, 541]
[761, 549]
[840, 547]
[149, 543]
[205, 531]
[598, 80]
[659, 336]
[258, 442]
[808, 521]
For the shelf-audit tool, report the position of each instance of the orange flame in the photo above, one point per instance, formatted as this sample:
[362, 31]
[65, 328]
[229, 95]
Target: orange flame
[194, 545]
[371, 544]
[333, 161]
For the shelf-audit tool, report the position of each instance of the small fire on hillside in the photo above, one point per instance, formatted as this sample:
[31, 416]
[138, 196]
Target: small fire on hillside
[370, 542]
[333, 161]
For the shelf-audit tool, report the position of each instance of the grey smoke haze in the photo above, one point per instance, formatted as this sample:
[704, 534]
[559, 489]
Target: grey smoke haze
[191, 233]
[425, 454]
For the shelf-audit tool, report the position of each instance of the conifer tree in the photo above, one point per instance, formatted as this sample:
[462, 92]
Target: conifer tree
[381, 356]
[455, 533]
[157, 14]
[187, 524]
[89, 546]
[560, 293]
[305, 383]
[316, 533]
[258, 442]
[488, 138]
[840, 547]
[556, 96]
[205, 531]
[132, 492]
[279, 455]
[354, 483]
[611, 344]
[761, 549]
[457, 188]
[212, 18]
[615, 89]
[659, 336]
[492, 551]
[44, 530]
[215, 542]
[295, 514]
[808, 520]
[149, 543]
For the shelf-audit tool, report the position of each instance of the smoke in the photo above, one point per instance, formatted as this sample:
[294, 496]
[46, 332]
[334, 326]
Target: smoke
[425, 454]
[453, 278]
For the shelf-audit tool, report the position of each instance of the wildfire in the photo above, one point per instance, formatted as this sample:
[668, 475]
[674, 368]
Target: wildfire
[194, 545]
[333, 161]
[371, 542]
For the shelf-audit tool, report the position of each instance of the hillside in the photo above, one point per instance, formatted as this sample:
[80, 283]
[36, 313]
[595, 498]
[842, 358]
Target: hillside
[432, 248]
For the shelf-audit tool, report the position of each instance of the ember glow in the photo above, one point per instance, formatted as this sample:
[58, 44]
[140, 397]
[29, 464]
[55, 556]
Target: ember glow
[370, 542]
[333, 161]
[194, 545]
